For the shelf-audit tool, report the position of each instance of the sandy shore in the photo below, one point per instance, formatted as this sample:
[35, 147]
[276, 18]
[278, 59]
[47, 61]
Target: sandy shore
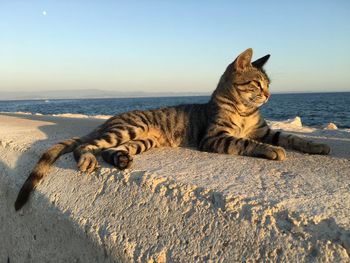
[174, 204]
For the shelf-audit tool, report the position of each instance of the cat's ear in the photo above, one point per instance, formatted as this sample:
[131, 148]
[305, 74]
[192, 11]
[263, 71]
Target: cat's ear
[259, 63]
[243, 60]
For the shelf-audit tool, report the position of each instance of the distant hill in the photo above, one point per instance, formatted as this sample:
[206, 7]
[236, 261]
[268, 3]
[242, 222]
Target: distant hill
[88, 94]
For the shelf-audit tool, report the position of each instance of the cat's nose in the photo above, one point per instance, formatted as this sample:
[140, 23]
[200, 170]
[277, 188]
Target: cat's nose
[267, 95]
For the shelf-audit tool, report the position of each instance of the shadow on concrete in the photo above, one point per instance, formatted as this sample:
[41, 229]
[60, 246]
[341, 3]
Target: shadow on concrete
[20, 246]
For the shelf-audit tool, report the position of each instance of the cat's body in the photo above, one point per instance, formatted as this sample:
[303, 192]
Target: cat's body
[229, 123]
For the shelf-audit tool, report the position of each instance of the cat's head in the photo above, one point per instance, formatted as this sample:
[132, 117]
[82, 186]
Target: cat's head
[246, 80]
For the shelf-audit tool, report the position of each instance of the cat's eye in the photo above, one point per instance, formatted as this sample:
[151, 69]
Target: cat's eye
[243, 83]
[256, 83]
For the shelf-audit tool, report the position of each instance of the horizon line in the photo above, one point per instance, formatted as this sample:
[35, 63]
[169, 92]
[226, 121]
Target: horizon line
[176, 94]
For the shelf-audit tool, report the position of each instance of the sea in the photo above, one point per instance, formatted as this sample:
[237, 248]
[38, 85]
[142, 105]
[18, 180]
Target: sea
[315, 109]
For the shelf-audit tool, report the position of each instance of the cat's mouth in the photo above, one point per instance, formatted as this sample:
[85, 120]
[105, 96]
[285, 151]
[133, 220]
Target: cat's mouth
[258, 102]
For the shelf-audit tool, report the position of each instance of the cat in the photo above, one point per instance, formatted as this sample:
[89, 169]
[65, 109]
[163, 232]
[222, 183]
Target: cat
[230, 123]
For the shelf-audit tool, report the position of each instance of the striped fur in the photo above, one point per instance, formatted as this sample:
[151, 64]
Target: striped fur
[229, 123]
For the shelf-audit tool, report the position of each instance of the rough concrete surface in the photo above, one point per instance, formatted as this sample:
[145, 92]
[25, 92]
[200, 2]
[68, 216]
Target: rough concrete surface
[173, 205]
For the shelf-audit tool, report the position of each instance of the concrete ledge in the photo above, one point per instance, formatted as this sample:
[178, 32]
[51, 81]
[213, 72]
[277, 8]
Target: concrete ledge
[174, 205]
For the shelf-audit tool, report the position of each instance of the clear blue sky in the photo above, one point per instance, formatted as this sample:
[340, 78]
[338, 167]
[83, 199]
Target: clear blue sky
[171, 45]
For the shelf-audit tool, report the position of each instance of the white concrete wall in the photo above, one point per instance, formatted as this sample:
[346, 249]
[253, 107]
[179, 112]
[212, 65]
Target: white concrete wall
[160, 211]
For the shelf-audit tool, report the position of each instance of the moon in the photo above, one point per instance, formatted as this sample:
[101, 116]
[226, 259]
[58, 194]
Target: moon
[44, 13]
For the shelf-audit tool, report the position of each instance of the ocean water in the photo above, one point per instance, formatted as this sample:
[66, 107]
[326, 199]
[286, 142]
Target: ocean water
[315, 109]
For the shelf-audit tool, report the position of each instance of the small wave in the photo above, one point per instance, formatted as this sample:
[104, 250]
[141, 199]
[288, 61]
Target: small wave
[63, 115]
[75, 115]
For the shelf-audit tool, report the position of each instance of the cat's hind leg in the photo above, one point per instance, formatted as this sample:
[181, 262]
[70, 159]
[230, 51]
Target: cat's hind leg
[121, 156]
[85, 153]
[117, 157]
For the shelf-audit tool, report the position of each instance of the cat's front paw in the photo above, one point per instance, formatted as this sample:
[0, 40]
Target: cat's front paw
[87, 163]
[278, 153]
[319, 148]
[272, 153]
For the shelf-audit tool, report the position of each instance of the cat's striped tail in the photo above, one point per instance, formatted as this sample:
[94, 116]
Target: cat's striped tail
[41, 169]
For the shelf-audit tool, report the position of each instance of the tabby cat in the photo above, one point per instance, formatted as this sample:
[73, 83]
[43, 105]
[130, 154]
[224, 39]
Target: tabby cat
[229, 123]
